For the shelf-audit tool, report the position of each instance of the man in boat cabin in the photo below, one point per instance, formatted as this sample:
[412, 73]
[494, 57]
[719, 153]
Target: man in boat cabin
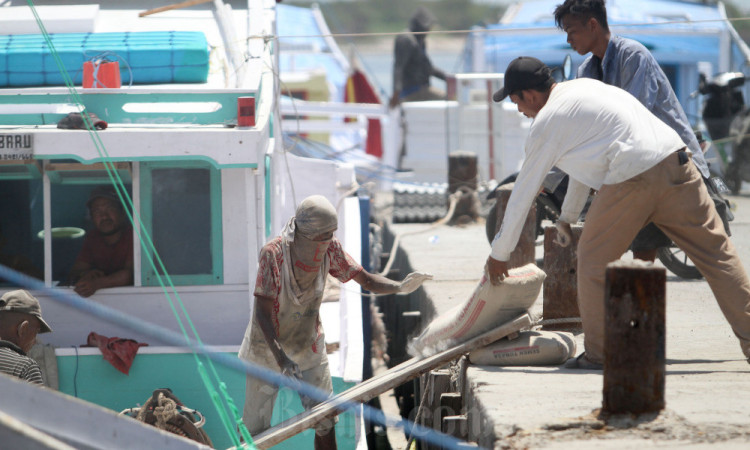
[605, 139]
[20, 322]
[286, 333]
[628, 64]
[106, 257]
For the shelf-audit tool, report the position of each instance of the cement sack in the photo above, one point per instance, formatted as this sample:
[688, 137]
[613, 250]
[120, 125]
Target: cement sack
[488, 307]
[530, 348]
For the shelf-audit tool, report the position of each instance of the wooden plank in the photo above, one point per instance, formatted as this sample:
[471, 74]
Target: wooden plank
[170, 7]
[375, 386]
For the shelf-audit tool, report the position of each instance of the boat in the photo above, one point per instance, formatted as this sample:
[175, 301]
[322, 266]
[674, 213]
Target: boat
[192, 140]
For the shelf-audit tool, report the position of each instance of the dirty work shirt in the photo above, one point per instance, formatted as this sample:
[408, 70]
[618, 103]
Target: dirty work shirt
[107, 258]
[629, 65]
[597, 134]
[298, 327]
[14, 362]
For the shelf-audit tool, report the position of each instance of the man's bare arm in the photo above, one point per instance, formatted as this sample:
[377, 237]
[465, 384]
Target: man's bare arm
[382, 285]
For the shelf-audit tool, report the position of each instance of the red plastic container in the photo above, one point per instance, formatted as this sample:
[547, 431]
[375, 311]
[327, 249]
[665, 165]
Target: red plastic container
[101, 74]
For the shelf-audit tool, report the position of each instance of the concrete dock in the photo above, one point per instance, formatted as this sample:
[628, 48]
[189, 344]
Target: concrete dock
[707, 390]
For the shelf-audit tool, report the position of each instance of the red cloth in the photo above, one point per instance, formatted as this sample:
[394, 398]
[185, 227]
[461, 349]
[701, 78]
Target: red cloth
[119, 352]
[359, 90]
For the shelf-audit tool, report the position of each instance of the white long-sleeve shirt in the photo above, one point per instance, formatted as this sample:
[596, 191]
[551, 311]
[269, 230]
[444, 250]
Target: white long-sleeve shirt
[597, 134]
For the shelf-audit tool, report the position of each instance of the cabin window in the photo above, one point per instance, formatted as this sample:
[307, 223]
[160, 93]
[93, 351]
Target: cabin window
[23, 207]
[21, 219]
[181, 209]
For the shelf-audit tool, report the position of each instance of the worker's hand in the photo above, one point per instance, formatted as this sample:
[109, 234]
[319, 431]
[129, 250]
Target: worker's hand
[85, 287]
[564, 234]
[413, 281]
[290, 369]
[496, 270]
[92, 274]
[395, 100]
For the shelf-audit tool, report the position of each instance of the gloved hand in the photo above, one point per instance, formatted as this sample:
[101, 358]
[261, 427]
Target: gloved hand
[564, 234]
[412, 282]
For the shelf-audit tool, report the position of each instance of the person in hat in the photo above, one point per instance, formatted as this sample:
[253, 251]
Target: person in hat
[106, 257]
[606, 140]
[412, 68]
[627, 64]
[286, 333]
[20, 322]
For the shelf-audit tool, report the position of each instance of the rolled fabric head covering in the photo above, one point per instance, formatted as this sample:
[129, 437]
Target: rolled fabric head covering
[305, 259]
[315, 215]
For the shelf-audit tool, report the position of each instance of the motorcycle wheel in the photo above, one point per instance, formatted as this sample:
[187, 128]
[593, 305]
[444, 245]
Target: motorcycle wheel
[733, 178]
[677, 262]
[546, 209]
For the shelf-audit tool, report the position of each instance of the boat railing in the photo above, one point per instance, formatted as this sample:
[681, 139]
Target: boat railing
[149, 106]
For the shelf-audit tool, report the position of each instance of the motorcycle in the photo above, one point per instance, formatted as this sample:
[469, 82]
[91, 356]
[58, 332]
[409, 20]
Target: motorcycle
[728, 122]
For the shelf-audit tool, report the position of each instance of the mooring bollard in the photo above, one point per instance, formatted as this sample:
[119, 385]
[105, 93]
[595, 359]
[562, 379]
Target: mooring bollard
[560, 292]
[462, 176]
[634, 338]
[524, 252]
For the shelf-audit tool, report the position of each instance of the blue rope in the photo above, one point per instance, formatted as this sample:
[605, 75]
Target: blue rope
[178, 340]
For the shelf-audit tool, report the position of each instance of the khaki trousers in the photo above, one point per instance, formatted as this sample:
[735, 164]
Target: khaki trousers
[674, 197]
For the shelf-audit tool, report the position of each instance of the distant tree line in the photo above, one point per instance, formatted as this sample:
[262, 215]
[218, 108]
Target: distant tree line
[386, 16]
[742, 26]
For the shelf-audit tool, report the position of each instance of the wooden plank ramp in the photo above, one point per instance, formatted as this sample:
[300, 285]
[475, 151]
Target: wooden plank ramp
[375, 386]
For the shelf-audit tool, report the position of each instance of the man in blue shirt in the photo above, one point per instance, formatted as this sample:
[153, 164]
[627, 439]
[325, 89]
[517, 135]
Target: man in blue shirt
[627, 64]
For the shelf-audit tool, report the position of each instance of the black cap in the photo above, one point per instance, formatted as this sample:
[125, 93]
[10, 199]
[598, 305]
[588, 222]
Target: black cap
[524, 72]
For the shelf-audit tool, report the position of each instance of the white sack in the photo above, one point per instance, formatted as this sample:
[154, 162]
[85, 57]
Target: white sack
[530, 348]
[488, 307]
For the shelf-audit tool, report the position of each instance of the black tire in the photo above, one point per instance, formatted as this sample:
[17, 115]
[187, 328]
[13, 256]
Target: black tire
[491, 223]
[733, 178]
[677, 262]
[545, 209]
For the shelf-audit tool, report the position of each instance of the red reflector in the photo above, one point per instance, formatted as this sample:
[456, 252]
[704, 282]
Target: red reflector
[246, 111]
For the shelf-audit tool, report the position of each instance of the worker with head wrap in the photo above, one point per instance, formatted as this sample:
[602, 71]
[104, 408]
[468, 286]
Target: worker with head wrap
[286, 333]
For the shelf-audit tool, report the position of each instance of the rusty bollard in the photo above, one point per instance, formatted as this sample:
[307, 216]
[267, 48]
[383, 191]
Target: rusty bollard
[560, 291]
[462, 176]
[524, 252]
[634, 338]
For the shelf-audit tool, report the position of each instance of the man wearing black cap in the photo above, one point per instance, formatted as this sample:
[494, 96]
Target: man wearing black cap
[605, 139]
[20, 322]
[106, 258]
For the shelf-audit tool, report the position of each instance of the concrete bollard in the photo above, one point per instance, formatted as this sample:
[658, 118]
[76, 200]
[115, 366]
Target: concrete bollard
[462, 176]
[634, 338]
[524, 253]
[560, 293]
